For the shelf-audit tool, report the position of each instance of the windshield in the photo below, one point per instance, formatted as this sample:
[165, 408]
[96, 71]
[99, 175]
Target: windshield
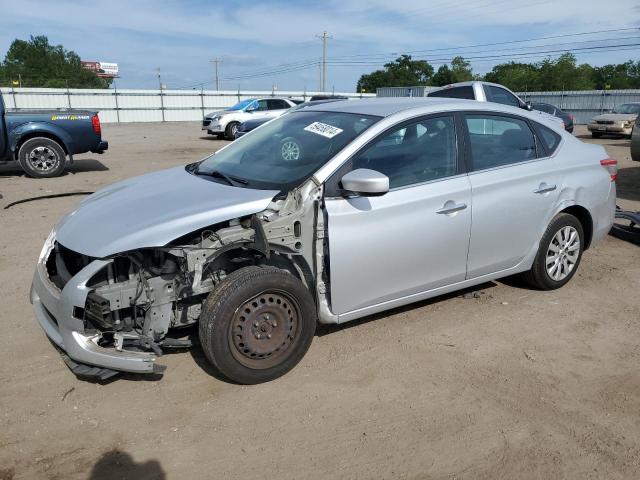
[628, 108]
[285, 151]
[241, 105]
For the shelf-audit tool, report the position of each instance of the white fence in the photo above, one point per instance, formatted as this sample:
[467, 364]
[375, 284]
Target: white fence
[141, 105]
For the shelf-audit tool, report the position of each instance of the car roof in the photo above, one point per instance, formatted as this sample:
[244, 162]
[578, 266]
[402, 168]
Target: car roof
[387, 106]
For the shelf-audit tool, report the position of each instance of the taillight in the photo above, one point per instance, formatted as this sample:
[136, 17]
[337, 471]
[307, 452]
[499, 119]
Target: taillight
[612, 167]
[95, 123]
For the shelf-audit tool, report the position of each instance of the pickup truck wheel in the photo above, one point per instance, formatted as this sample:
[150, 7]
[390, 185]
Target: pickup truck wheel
[231, 130]
[42, 157]
[559, 253]
[257, 324]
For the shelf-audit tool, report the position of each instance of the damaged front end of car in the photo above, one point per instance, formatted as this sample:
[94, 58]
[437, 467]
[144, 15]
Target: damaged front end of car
[121, 312]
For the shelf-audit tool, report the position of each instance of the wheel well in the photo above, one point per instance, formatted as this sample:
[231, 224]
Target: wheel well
[232, 260]
[584, 217]
[30, 135]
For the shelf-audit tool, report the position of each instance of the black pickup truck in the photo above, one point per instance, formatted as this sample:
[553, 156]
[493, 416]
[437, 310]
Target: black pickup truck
[44, 141]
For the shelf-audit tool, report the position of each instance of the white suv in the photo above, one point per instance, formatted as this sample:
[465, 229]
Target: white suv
[225, 122]
[488, 92]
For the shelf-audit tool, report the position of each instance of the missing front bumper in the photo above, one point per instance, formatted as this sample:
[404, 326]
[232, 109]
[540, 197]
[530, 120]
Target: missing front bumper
[54, 310]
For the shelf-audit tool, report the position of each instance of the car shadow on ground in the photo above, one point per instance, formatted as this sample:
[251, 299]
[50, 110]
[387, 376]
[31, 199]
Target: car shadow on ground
[628, 183]
[118, 464]
[12, 169]
[213, 137]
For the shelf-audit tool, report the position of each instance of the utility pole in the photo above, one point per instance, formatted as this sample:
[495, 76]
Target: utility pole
[216, 61]
[323, 77]
[161, 99]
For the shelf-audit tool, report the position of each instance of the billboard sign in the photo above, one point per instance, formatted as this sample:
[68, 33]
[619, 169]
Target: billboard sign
[102, 69]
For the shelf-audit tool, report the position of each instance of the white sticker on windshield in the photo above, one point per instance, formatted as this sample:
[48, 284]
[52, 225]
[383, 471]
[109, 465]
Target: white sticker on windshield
[323, 129]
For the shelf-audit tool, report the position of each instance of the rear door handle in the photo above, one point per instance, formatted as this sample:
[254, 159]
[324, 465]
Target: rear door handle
[544, 188]
[451, 207]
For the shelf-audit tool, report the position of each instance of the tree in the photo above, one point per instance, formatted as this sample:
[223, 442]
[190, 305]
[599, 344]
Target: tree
[444, 76]
[40, 64]
[403, 72]
[519, 77]
[461, 69]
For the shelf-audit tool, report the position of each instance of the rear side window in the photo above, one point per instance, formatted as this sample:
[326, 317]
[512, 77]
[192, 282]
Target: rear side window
[550, 139]
[497, 141]
[277, 104]
[466, 93]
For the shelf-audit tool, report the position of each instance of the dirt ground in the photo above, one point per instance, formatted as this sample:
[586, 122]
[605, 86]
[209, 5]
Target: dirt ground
[514, 384]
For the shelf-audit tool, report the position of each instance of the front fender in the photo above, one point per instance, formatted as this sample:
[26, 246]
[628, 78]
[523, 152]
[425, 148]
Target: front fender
[31, 128]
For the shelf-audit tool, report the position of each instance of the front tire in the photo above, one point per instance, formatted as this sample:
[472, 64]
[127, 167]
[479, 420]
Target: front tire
[42, 157]
[230, 131]
[257, 324]
[559, 253]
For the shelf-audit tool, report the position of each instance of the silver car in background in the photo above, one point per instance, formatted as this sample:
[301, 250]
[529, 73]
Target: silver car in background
[385, 202]
[618, 122]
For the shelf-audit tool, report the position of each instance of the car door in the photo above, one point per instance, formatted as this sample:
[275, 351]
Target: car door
[415, 237]
[515, 187]
[260, 109]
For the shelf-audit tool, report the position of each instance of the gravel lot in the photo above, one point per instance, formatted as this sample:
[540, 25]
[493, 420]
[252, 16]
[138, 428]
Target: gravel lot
[513, 384]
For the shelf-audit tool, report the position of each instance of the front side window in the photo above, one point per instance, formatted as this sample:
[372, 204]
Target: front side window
[417, 152]
[285, 151]
[259, 106]
[497, 141]
[465, 93]
[500, 95]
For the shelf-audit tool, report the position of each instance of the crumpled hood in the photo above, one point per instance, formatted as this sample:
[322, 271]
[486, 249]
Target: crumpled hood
[616, 117]
[152, 210]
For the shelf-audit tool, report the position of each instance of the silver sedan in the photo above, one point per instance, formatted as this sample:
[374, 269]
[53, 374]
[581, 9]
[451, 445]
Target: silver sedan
[326, 215]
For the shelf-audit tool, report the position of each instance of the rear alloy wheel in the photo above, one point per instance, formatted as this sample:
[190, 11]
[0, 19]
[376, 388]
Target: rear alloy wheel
[257, 324]
[42, 157]
[559, 253]
[231, 130]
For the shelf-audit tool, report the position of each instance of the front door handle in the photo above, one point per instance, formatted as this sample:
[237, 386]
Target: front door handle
[544, 188]
[451, 207]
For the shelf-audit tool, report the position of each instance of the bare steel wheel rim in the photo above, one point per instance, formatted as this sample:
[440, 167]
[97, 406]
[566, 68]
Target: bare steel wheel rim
[563, 253]
[264, 329]
[290, 151]
[43, 158]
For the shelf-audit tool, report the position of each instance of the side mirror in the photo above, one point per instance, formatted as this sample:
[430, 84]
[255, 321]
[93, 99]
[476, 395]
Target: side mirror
[251, 108]
[365, 182]
[526, 106]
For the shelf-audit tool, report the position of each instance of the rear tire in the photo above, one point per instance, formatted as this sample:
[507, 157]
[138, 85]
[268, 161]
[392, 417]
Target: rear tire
[559, 253]
[41, 157]
[257, 324]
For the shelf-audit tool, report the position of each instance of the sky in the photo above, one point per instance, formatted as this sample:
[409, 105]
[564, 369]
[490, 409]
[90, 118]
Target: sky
[273, 44]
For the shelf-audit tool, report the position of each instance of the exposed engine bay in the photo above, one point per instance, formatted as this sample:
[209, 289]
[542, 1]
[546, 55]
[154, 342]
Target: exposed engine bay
[142, 295]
